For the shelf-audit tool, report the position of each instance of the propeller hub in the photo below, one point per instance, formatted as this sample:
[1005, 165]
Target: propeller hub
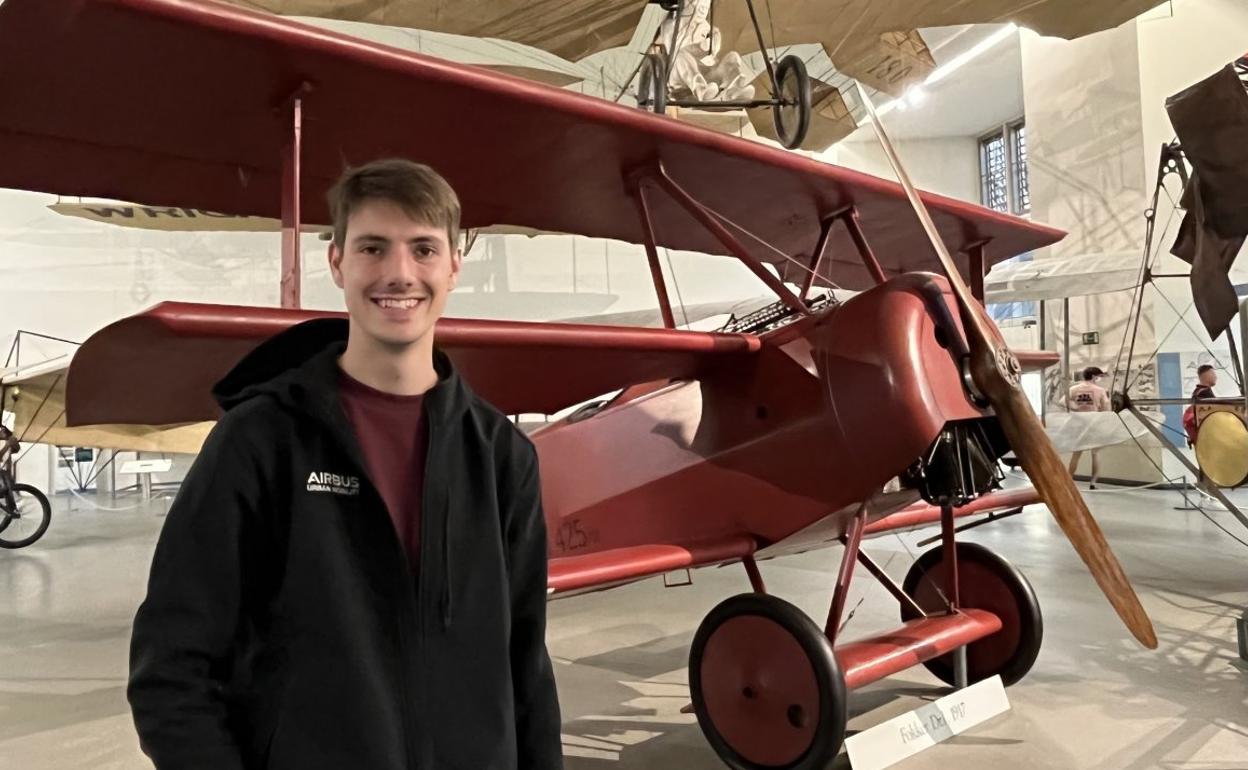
[1009, 367]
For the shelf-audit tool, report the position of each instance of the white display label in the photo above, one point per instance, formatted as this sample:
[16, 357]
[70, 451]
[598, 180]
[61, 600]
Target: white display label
[146, 466]
[907, 735]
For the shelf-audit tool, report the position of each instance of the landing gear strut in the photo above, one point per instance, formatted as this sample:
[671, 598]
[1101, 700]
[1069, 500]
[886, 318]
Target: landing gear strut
[986, 582]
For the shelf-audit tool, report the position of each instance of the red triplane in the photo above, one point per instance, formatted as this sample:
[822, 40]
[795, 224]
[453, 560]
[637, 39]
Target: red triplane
[777, 434]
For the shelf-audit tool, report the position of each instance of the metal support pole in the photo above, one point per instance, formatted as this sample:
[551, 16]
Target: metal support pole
[762, 46]
[950, 556]
[952, 592]
[1167, 444]
[1066, 344]
[652, 255]
[1241, 626]
[852, 540]
[1243, 339]
[756, 577]
[1235, 363]
[708, 220]
[1044, 393]
[864, 249]
[959, 668]
[291, 285]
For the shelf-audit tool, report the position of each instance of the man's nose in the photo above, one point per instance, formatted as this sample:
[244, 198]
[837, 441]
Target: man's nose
[400, 271]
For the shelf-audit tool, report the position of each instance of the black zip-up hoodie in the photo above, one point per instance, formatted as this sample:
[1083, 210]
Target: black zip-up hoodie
[283, 625]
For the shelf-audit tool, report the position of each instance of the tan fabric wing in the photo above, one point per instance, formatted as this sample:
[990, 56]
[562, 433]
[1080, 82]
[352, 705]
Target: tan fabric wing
[850, 30]
[39, 405]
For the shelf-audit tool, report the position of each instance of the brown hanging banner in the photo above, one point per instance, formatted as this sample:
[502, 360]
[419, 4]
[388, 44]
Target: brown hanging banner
[1211, 120]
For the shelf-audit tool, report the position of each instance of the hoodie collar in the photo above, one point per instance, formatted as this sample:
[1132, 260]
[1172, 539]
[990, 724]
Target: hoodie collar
[299, 368]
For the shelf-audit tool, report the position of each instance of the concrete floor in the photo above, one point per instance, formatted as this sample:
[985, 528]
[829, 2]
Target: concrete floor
[1093, 700]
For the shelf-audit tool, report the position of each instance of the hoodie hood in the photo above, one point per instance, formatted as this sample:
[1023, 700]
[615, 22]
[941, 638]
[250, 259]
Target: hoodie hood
[299, 368]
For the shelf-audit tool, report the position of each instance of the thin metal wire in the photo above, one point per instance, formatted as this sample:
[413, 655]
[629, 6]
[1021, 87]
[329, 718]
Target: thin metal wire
[759, 240]
[38, 409]
[676, 284]
[1137, 296]
[1160, 470]
[1149, 360]
[1183, 319]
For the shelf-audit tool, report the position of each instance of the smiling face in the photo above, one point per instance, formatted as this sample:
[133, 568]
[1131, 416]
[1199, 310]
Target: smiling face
[395, 273]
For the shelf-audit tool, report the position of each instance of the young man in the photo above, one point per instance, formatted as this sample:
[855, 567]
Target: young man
[353, 574]
[1207, 377]
[1088, 396]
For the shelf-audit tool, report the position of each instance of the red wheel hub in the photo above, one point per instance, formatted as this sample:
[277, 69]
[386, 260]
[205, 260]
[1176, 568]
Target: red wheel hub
[760, 691]
[982, 588]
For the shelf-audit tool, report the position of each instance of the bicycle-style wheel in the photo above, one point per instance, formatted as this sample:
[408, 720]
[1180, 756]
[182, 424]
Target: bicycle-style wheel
[28, 518]
[791, 111]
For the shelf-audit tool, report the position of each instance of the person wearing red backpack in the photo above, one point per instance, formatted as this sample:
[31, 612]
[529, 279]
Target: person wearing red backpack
[1207, 377]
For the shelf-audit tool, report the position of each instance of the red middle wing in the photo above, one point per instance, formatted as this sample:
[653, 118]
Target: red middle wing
[158, 367]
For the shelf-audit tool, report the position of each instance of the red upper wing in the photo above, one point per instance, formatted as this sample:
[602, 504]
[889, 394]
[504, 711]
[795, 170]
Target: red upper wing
[182, 103]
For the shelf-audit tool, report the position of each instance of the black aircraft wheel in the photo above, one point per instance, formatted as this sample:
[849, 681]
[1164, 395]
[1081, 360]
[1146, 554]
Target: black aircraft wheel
[986, 582]
[28, 518]
[767, 690]
[792, 109]
[652, 83]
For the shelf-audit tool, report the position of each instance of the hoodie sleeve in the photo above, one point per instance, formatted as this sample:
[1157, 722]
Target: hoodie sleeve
[185, 629]
[533, 680]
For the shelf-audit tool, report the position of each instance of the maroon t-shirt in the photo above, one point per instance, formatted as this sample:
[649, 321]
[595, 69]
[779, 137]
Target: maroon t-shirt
[393, 436]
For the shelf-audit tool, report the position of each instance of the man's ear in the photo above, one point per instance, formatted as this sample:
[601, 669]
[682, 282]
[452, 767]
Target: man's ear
[334, 255]
[457, 259]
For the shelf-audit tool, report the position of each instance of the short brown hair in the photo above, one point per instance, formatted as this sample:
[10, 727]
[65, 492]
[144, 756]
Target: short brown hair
[416, 188]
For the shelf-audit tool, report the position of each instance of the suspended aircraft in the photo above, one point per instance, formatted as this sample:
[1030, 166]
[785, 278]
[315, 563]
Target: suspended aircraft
[873, 42]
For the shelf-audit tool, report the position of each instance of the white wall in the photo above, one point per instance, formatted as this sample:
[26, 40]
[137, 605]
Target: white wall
[1096, 121]
[68, 277]
[945, 165]
[1086, 151]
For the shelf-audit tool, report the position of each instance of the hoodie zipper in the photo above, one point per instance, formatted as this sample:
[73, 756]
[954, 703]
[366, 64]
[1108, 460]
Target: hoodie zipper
[423, 749]
[404, 634]
[405, 698]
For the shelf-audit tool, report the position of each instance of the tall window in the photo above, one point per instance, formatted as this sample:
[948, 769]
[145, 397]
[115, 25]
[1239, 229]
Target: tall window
[994, 173]
[1003, 185]
[1003, 169]
[1022, 190]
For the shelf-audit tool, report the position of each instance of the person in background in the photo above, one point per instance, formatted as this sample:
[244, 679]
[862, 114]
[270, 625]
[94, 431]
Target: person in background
[1088, 396]
[1207, 377]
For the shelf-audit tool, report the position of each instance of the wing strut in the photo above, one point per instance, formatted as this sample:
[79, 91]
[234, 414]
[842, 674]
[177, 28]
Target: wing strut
[710, 220]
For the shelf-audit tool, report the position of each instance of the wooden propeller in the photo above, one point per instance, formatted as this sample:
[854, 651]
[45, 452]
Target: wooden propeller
[996, 373]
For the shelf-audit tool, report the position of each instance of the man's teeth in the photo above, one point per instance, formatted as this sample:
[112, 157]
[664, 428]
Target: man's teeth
[406, 304]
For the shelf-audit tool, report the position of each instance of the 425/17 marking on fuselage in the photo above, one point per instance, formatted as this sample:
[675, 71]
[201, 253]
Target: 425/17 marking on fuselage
[571, 536]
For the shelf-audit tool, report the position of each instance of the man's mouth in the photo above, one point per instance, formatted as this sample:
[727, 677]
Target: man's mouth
[397, 303]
